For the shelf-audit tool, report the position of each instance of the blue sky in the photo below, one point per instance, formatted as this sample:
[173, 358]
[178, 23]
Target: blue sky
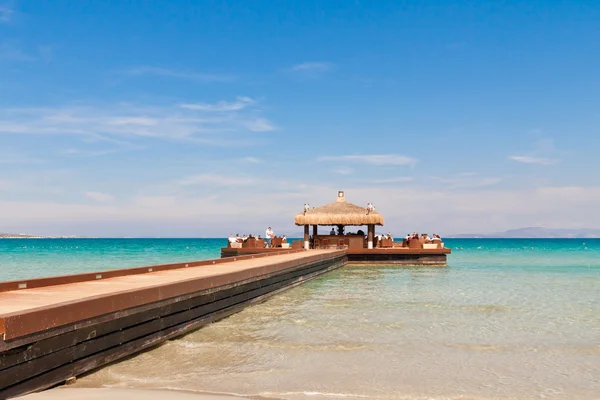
[201, 118]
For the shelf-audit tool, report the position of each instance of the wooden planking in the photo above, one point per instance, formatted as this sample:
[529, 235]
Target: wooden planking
[95, 352]
[51, 315]
[93, 276]
[40, 348]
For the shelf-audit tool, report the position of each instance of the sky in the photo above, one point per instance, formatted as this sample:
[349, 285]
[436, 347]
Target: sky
[204, 118]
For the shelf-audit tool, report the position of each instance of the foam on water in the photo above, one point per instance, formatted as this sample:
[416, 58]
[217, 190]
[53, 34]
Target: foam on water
[508, 319]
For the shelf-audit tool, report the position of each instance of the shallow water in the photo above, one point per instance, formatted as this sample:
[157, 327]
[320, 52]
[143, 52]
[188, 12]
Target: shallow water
[508, 319]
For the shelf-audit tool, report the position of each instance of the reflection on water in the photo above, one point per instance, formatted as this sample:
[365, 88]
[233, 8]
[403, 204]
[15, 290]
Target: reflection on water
[475, 330]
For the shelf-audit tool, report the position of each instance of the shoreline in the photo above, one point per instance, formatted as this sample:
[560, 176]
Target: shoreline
[70, 393]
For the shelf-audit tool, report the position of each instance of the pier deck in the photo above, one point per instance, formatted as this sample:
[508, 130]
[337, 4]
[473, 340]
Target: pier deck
[62, 327]
[27, 301]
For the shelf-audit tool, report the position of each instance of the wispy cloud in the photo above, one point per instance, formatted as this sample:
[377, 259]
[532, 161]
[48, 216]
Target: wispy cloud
[320, 66]
[374, 159]
[395, 180]
[239, 104]
[467, 180]
[13, 157]
[5, 13]
[100, 197]
[260, 125]
[343, 170]
[179, 74]
[125, 123]
[215, 179]
[534, 160]
[544, 152]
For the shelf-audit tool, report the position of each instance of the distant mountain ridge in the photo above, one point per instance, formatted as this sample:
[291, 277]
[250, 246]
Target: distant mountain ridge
[533, 233]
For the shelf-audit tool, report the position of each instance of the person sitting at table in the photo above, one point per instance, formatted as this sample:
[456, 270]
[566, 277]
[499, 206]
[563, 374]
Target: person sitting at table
[232, 239]
[332, 231]
[283, 239]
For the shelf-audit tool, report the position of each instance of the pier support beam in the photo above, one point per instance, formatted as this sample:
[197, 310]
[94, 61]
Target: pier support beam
[306, 240]
[370, 235]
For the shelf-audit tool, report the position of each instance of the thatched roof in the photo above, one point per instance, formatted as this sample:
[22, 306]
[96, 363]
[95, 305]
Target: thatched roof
[340, 212]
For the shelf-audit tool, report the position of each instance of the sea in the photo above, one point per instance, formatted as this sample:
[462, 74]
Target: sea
[507, 319]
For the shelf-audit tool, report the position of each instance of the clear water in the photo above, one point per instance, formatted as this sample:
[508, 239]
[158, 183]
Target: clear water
[508, 319]
[34, 258]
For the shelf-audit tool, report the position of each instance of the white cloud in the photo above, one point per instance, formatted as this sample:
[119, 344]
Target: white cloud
[374, 159]
[320, 66]
[534, 160]
[186, 75]
[114, 122]
[260, 125]
[100, 197]
[343, 171]
[240, 104]
[424, 209]
[215, 180]
[133, 121]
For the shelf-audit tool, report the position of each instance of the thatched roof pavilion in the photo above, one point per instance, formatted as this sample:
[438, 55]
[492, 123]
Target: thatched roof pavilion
[339, 213]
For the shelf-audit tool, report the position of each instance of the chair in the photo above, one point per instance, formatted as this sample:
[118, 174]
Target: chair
[316, 244]
[325, 243]
[415, 244]
[341, 243]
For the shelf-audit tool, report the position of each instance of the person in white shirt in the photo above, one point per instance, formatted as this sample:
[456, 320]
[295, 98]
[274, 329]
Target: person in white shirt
[370, 207]
[232, 239]
[268, 236]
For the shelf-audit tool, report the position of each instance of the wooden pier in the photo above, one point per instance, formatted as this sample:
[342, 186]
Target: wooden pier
[54, 329]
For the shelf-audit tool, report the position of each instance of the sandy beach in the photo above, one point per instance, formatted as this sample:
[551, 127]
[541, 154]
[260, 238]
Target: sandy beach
[65, 393]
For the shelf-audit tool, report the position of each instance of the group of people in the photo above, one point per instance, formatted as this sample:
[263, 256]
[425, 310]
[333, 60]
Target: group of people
[422, 237]
[269, 235]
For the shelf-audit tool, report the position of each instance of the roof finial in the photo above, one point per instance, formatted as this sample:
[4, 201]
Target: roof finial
[341, 196]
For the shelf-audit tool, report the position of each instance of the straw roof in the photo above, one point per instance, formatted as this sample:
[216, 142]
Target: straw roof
[340, 212]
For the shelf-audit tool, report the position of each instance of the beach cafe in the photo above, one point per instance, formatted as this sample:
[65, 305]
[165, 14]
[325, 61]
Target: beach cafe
[339, 215]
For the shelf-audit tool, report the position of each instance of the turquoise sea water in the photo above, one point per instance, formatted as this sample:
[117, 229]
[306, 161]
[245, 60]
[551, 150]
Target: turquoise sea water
[32, 258]
[508, 319]
[28, 258]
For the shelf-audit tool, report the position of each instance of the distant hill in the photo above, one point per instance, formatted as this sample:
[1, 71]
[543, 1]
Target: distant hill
[27, 236]
[534, 232]
[19, 236]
